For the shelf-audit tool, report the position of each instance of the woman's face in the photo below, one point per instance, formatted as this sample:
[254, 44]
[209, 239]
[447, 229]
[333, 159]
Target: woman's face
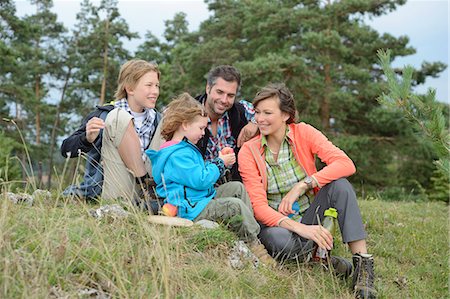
[195, 130]
[269, 118]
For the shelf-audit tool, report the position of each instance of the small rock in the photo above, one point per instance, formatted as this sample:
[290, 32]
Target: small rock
[240, 254]
[114, 211]
[20, 198]
[57, 293]
[93, 293]
[208, 224]
[401, 282]
[41, 195]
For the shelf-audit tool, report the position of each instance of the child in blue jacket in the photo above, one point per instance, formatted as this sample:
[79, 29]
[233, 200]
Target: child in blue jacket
[184, 179]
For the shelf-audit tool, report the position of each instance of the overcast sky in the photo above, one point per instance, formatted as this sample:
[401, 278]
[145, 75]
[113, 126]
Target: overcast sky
[425, 22]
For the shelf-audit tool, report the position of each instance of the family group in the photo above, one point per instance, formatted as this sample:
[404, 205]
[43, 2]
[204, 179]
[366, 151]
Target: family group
[249, 165]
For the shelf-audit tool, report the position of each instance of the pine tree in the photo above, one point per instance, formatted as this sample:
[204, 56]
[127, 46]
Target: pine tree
[34, 43]
[151, 49]
[427, 116]
[98, 36]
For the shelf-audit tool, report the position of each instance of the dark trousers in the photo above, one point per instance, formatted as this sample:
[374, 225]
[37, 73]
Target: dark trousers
[286, 245]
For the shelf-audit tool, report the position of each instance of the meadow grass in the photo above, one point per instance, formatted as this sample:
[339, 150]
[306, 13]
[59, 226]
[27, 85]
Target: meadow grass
[55, 249]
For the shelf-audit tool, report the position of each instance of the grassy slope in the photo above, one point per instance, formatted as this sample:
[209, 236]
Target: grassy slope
[55, 249]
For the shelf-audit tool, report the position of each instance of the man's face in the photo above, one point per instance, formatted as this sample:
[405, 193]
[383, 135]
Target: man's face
[220, 97]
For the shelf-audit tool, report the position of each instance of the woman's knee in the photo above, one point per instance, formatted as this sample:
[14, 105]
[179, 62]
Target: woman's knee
[276, 239]
[342, 187]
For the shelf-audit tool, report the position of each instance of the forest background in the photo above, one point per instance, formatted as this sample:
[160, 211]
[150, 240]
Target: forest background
[324, 51]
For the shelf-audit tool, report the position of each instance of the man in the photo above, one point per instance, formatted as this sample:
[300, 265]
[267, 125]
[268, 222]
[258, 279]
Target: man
[230, 123]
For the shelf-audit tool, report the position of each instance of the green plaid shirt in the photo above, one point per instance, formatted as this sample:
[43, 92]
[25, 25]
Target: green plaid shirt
[282, 175]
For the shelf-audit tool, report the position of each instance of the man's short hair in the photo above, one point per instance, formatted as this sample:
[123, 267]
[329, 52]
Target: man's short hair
[226, 72]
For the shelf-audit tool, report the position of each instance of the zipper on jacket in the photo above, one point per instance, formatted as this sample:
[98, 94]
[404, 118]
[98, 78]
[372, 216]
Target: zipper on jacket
[188, 201]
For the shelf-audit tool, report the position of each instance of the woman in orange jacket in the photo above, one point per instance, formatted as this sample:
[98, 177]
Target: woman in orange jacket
[289, 194]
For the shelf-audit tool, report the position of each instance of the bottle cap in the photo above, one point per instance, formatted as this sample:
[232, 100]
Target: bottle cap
[332, 212]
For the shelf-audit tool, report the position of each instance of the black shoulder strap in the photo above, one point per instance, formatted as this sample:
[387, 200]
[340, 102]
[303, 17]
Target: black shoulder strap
[102, 111]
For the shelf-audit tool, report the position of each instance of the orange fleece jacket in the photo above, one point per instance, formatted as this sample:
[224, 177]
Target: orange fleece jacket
[306, 142]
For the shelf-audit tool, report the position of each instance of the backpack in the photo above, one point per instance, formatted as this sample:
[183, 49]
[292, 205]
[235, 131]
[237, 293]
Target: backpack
[91, 186]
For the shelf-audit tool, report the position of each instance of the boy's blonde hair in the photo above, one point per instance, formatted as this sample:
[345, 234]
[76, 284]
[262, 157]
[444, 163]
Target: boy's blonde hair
[183, 108]
[130, 73]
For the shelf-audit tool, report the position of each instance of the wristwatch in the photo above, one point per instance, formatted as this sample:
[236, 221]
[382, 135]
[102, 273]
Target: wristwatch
[309, 182]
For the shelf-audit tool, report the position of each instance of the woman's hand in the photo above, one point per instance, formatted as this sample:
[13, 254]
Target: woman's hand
[93, 127]
[228, 159]
[288, 200]
[319, 234]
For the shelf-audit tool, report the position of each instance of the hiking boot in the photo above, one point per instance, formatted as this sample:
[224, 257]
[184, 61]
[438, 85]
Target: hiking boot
[305, 253]
[342, 267]
[363, 276]
[147, 199]
[261, 253]
[146, 187]
[153, 206]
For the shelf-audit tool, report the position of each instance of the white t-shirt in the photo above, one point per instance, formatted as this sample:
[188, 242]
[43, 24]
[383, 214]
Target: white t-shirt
[139, 118]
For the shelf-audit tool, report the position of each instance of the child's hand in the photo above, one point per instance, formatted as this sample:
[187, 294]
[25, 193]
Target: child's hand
[93, 127]
[228, 159]
[227, 150]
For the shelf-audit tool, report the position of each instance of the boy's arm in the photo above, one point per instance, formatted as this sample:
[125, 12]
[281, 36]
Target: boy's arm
[77, 143]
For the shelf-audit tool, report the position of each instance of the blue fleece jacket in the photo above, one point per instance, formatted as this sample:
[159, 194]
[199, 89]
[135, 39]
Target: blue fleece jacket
[183, 178]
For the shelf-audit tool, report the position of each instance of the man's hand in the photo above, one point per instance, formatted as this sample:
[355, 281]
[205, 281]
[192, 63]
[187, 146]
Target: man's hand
[247, 133]
[285, 206]
[93, 127]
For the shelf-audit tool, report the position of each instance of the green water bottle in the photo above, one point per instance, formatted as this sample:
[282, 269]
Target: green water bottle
[329, 223]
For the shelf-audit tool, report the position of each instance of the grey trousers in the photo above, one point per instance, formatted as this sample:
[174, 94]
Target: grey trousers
[232, 206]
[286, 245]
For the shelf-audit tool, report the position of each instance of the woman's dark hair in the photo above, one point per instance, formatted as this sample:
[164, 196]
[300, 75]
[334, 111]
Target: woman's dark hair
[285, 98]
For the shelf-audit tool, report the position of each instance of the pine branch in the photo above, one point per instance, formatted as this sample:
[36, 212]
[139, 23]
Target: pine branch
[423, 111]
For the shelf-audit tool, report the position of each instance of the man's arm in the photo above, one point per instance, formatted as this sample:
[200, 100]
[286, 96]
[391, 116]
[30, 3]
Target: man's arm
[249, 111]
[251, 129]
[77, 143]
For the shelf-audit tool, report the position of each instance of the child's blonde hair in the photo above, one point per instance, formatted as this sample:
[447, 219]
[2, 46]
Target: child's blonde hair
[130, 73]
[183, 108]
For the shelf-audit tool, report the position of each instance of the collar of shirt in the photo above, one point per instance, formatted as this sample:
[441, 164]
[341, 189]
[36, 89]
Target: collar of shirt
[286, 137]
[147, 128]
[149, 117]
[224, 118]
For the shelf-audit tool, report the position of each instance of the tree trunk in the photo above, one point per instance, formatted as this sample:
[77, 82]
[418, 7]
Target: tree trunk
[38, 112]
[105, 63]
[325, 105]
[55, 125]
[37, 92]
